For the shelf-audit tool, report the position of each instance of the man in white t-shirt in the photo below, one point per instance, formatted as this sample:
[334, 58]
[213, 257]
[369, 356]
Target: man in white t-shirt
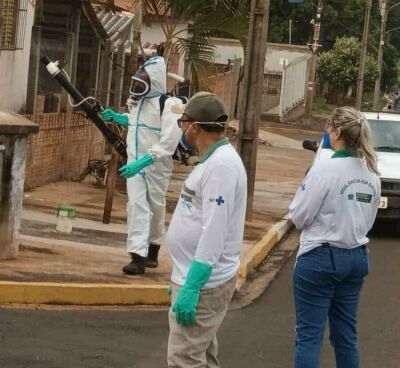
[205, 235]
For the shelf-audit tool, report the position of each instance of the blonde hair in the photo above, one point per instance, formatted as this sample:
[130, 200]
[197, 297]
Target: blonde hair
[356, 133]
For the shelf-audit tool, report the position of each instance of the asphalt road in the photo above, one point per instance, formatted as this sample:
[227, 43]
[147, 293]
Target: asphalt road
[260, 335]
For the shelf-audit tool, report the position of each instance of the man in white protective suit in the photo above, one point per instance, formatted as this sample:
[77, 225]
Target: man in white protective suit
[153, 136]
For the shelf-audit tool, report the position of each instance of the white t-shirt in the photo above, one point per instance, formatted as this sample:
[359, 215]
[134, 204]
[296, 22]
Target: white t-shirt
[208, 222]
[336, 203]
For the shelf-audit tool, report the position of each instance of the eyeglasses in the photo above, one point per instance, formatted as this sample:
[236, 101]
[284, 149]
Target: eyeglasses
[180, 121]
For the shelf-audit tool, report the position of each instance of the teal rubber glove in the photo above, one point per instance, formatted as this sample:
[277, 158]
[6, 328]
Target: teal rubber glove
[185, 306]
[120, 119]
[134, 167]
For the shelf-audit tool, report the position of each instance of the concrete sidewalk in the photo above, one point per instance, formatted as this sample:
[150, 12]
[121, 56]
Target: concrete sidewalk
[85, 266]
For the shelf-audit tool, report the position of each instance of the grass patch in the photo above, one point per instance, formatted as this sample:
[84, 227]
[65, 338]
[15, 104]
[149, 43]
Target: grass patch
[322, 108]
[367, 101]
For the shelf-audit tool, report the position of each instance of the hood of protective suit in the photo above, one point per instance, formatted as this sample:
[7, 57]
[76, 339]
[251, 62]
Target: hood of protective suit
[157, 71]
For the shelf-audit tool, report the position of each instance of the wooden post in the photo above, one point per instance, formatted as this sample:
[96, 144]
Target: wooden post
[71, 56]
[119, 77]
[33, 77]
[136, 34]
[1, 24]
[313, 69]
[361, 71]
[95, 58]
[253, 77]
[65, 105]
[239, 111]
[235, 86]
[112, 174]
[76, 25]
[113, 164]
[377, 89]
[106, 73]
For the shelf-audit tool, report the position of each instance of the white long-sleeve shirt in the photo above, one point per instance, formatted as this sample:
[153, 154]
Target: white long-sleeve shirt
[149, 131]
[208, 222]
[336, 203]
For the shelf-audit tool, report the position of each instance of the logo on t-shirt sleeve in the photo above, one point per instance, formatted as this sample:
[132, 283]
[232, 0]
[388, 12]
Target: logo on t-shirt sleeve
[219, 200]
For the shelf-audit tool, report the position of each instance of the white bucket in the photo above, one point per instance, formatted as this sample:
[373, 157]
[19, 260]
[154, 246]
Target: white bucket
[65, 218]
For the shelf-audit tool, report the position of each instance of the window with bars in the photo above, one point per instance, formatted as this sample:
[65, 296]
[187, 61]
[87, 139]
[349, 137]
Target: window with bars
[13, 14]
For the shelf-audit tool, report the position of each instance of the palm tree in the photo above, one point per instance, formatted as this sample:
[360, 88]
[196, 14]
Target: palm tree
[205, 18]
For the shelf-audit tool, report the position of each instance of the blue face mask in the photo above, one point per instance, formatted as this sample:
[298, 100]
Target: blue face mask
[326, 143]
[186, 145]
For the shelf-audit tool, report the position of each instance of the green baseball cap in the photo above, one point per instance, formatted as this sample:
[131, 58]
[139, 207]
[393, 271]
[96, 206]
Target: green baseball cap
[203, 107]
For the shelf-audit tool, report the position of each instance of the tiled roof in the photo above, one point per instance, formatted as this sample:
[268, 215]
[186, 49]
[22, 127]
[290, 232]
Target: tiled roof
[114, 22]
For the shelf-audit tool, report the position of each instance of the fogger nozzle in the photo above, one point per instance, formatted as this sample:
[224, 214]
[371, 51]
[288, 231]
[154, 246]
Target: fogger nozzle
[45, 60]
[52, 67]
[176, 77]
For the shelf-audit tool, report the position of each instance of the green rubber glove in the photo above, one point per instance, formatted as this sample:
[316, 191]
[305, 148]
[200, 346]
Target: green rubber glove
[120, 119]
[134, 167]
[185, 306]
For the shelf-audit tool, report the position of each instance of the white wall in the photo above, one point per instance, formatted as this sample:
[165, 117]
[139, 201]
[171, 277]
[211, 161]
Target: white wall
[225, 52]
[14, 67]
[155, 34]
[275, 58]
[232, 49]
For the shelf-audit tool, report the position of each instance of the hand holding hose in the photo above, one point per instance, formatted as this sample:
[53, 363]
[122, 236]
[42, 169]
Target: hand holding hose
[120, 119]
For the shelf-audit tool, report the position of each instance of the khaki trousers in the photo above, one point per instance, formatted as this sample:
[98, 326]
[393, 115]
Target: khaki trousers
[196, 346]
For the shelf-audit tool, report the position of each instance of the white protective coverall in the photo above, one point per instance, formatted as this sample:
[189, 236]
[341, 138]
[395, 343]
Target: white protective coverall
[149, 132]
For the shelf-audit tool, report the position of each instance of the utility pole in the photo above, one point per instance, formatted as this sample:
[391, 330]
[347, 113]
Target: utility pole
[132, 67]
[1, 24]
[314, 47]
[360, 83]
[136, 34]
[384, 6]
[290, 31]
[252, 87]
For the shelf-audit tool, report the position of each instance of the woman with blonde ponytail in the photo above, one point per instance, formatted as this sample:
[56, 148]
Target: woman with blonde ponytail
[335, 207]
[356, 134]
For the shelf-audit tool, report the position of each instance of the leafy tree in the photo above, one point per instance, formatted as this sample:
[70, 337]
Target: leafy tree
[205, 18]
[340, 18]
[339, 66]
[392, 49]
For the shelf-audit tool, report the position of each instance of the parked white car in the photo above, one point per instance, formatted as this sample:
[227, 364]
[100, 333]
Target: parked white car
[385, 128]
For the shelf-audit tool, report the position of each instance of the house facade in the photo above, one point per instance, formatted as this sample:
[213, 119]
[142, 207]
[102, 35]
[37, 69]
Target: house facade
[286, 74]
[17, 21]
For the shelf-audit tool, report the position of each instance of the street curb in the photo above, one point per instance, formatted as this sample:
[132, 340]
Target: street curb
[12, 292]
[82, 294]
[293, 131]
[261, 250]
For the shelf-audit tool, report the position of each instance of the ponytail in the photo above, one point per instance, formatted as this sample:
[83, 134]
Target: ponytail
[366, 149]
[356, 134]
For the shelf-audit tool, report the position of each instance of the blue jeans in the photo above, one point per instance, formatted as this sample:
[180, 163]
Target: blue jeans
[327, 285]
